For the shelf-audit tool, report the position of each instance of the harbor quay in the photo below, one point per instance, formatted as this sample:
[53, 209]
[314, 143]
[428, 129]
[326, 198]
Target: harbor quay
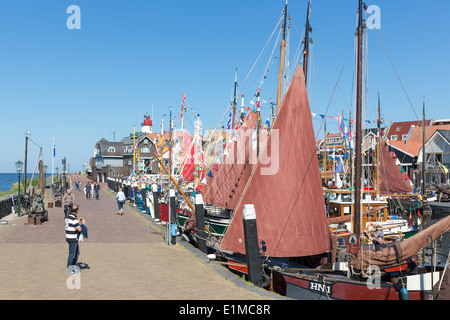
[124, 257]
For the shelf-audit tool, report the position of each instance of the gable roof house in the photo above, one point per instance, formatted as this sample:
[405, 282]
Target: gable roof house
[437, 157]
[108, 161]
[407, 150]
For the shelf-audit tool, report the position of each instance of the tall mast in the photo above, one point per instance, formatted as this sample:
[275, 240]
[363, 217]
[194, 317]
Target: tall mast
[306, 42]
[325, 152]
[358, 142]
[258, 115]
[197, 145]
[423, 193]
[379, 122]
[170, 142]
[283, 44]
[242, 109]
[234, 98]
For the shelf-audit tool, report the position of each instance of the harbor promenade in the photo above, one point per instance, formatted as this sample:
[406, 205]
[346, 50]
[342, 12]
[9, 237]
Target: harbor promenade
[125, 257]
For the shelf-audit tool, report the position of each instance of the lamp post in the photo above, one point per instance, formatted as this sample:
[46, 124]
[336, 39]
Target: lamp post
[57, 169]
[19, 168]
[45, 176]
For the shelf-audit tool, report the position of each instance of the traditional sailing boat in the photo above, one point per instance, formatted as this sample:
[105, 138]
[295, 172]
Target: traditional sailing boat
[332, 285]
[292, 222]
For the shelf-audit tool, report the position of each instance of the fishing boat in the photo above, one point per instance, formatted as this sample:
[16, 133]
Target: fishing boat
[441, 202]
[298, 252]
[376, 202]
[291, 221]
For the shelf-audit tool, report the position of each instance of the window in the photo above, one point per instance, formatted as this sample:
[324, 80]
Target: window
[394, 137]
[404, 137]
[111, 149]
[398, 129]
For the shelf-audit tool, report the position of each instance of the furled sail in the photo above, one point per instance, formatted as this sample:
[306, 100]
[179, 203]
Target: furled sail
[403, 250]
[285, 186]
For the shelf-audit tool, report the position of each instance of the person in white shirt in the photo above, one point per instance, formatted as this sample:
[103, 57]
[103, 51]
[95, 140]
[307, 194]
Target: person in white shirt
[120, 200]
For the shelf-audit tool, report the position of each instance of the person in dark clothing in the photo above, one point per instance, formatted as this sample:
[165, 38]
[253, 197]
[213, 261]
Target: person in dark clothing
[87, 190]
[377, 240]
[96, 190]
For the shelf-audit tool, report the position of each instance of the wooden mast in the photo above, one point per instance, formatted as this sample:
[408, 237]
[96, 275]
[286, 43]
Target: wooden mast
[234, 99]
[325, 152]
[423, 190]
[306, 42]
[358, 142]
[197, 156]
[379, 122]
[170, 141]
[258, 115]
[283, 44]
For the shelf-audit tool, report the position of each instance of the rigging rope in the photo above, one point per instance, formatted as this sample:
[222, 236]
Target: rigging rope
[398, 76]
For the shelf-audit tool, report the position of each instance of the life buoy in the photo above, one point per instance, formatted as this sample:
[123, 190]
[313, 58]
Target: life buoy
[371, 227]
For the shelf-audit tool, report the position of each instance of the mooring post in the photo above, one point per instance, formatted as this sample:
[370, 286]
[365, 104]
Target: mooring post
[172, 217]
[252, 246]
[157, 216]
[144, 198]
[200, 219]
[129, 192]
[135, 191]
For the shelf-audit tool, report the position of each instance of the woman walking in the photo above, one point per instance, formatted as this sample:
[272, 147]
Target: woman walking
[120, 200]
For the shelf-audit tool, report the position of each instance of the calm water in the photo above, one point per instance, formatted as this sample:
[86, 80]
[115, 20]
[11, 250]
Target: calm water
[7, 179]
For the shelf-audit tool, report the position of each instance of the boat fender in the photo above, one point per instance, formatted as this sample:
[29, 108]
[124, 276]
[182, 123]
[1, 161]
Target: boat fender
[404, 294]
[265, 280]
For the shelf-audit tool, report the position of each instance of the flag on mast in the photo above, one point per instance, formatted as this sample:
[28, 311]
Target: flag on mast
[53, 157]
[343, 128]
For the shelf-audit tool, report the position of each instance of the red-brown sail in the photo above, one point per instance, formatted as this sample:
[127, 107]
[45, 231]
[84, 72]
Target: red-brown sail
[392, 180]
[290, 211]
[230, 177]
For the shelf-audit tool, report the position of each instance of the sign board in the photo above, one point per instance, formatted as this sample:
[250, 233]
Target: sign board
[353, 244]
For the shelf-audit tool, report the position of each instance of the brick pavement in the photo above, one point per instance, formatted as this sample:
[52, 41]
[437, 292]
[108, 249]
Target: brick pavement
[125, 257]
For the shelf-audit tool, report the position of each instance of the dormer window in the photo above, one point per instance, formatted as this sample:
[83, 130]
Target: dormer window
[111, 149]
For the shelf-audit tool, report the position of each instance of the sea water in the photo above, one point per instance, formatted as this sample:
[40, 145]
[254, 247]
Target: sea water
[8, 179]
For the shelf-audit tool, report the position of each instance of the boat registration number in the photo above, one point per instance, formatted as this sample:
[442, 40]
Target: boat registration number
[320, 287]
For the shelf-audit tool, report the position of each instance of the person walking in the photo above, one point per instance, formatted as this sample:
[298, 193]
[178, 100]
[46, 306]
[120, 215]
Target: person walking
[72, 227]
[92, 189]
[96, 190]
[68, 200]
[120, 200]
[87, 189]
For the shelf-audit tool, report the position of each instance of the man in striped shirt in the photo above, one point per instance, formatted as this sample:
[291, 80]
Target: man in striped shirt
[72, 228]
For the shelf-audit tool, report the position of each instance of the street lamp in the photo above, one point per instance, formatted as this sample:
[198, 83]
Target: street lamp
[45, 176]
[19, 168]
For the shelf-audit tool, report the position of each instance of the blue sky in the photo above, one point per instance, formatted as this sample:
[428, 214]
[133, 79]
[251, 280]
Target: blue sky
[82, 85]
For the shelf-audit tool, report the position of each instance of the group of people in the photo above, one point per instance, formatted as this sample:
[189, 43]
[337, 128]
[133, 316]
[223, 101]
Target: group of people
[92, 190]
